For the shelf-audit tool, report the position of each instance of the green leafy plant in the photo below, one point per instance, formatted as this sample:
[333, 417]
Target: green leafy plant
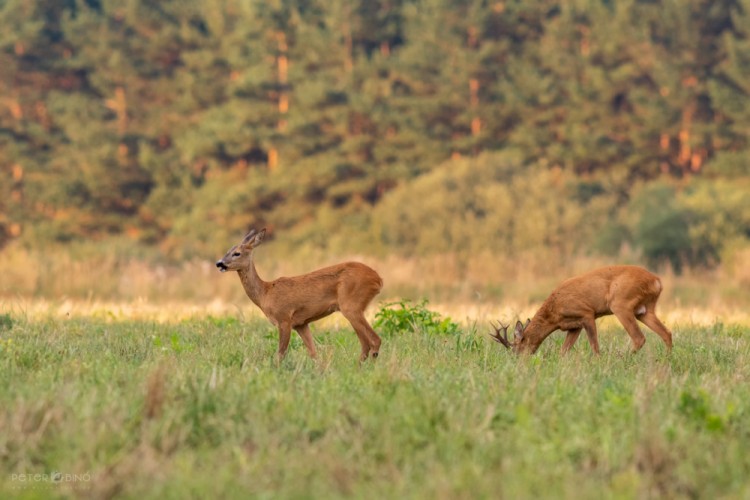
[405, 316]
[697, 407]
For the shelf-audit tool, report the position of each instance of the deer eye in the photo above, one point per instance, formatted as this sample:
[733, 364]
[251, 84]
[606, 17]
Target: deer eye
[236, 254]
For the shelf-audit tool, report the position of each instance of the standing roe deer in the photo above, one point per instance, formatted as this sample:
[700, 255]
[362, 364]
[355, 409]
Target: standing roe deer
[628, 292]
[295, 302]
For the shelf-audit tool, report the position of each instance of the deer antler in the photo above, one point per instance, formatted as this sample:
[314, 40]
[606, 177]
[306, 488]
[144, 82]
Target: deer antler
[502, 339]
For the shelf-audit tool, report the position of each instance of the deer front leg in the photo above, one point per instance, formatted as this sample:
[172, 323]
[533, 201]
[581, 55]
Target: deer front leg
[589, 324]
[304, 333]
[570, 339]
[285, 334]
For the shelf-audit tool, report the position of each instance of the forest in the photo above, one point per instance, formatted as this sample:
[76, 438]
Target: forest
[380, 127]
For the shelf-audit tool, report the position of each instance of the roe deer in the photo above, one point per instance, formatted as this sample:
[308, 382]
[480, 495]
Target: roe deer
[628, 292]
[293, 303]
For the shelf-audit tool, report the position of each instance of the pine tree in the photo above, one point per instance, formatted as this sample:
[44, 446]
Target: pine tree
[729, 91]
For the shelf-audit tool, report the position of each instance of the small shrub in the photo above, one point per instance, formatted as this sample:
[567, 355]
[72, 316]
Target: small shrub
[402, 316]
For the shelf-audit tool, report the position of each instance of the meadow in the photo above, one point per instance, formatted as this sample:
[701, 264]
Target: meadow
[104, 403]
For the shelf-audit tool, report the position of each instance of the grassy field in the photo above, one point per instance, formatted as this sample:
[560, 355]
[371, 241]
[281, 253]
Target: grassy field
[96, 406]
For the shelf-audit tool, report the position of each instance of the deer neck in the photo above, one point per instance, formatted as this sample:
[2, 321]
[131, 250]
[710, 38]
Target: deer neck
[540, 328]
[255, 288]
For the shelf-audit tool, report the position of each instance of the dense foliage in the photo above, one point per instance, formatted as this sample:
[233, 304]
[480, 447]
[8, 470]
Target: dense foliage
[416, 125]
[395, 318]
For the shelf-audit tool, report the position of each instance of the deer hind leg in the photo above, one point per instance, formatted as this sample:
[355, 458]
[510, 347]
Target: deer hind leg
[306, 335]
[589, 324]
[650, 320]
[353, 300]
[570, 339]
[369, 340]
[626, 315]
[375, 340]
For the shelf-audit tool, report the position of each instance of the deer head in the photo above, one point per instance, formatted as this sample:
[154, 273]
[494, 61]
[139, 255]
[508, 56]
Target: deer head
[517, 344]
[239, 256]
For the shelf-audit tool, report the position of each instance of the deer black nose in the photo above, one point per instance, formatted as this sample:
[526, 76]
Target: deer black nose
[220, 264]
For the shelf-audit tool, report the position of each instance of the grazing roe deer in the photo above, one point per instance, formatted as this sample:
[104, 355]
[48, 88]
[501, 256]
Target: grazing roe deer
[628, 292]
[294, 303]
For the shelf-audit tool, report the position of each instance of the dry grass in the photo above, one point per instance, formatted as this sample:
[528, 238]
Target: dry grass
[478, 289]
[466, 313]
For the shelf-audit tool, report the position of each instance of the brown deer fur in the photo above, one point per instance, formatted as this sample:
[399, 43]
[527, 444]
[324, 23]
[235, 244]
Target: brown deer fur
[294, 303]
[628, 292]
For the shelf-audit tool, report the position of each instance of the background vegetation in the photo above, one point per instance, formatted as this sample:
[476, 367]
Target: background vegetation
[474, 152]
[541, 129]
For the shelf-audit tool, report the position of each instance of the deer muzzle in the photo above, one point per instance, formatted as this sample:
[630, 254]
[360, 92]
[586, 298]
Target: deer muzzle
[222, 267]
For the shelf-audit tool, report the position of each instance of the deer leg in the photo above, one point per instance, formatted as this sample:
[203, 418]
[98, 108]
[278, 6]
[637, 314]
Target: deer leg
[589, 324]
[285, 334]
[650, 320]
[627, 318]
[570, 339]
[369, 340]
[306, 335]
[374, 340]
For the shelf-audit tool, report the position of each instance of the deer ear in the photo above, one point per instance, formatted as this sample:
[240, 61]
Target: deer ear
[254, 239]
[527, 323]
[248, 237]
[259, 237]
[519, 330]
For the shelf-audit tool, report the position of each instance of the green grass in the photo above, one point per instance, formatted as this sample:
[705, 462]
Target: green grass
[199, 409]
